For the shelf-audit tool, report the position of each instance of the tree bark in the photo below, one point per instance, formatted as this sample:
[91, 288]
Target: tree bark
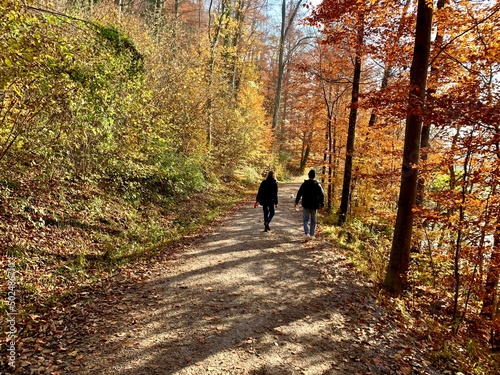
[303, 160]
[344, 203]
[458, 242]
[331, 101]
[490, 293]
[395, 279]
[426, 130]
[214, 41]
[331, 181]
[388, 67]
[492, 279]
[285, 27]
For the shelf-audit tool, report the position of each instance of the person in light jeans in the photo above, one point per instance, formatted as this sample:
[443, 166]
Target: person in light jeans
[309, 215]
[313, 198]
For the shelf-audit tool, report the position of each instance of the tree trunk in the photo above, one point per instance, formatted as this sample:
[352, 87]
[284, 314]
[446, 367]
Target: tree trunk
[303, 161]
[331, 181]
[426, 130]
[383, 85]
[395, 279]
[214, 41]
[458, 242]
[388, 68]
[120, 10]
[176, 15]
[490, 301]
[344, 203]
[239, 17]
[157, 20]
[334, 164]
[327, 158]
[285, 27]
[327, 179]
[492, 278]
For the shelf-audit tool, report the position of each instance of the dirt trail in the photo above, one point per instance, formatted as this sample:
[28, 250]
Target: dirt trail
[241, 301]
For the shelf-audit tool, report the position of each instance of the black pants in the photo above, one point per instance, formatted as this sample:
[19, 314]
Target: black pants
[268, 212]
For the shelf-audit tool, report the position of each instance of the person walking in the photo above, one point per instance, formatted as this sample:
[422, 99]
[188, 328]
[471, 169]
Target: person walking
[313, 198]
[267, 197]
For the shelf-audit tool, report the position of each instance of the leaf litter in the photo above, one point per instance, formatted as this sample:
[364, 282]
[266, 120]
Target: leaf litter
[233, 301]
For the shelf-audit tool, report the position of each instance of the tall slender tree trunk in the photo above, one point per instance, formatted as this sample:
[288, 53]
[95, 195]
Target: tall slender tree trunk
[493, 277]
[214, 41]
[334, 165]
[383, 85]
[490, 293]
[458, 242]
[303, 159]
[426, 130]
[388, 67]
[285, 28]
[177, 5]
[331, 102]
[175, 26]
[120, 10]
[331, 182]
[158, 19]
[240, 9]
[346, 186]
[396, 276]
[327, 158]
[327, 179]
[281, 67]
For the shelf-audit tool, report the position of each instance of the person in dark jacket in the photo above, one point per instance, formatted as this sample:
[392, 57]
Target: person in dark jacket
[267, 197]
[313, 198]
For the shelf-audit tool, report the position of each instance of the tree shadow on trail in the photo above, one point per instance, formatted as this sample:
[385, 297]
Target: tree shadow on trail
[193, 324]
[243, 302]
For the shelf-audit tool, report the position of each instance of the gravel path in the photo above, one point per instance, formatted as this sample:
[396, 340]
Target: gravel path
[242, 301]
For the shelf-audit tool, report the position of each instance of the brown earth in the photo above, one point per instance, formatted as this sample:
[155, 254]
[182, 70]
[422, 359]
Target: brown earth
[242, 301]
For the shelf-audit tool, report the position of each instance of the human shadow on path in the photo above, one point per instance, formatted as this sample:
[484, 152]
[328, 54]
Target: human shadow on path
[245, 302]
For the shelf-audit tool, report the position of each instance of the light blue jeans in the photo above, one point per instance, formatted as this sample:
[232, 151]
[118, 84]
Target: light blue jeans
[309, 214]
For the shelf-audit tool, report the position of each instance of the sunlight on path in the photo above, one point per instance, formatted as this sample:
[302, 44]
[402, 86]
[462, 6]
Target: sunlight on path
[242, 301]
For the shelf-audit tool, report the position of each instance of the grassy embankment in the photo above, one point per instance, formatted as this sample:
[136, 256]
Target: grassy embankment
[65, 236]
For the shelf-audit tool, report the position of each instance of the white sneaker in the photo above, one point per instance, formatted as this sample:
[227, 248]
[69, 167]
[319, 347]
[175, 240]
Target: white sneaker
[313, 237]
[307, 237]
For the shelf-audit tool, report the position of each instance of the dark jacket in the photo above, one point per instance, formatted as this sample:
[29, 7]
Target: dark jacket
[312, 195]
[268, 192]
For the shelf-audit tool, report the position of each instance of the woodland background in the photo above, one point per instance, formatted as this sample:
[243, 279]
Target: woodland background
[115, 115]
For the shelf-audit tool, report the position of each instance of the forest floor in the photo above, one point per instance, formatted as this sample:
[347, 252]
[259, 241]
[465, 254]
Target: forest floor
[230, 299]
[237, 300]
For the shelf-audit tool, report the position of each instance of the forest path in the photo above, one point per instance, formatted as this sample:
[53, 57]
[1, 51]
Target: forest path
[242, 301]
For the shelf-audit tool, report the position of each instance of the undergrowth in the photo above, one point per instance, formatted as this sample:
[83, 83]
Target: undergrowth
[367, 246]
[74, 234]
[423, 310]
